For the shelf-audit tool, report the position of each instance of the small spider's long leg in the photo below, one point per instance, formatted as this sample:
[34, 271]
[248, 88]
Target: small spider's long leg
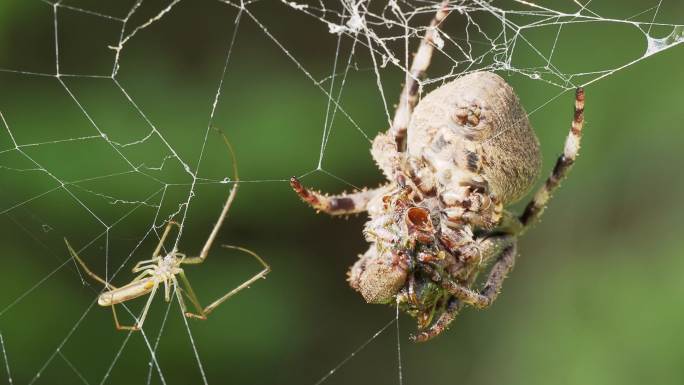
[442, 322]
[167, 291]
[420, 64]
[179, 294]
[142, 275]
[145, 265]
[138, 325]
[342, 204]
[139, 322]
[96, 277]
[157, 250]
[563, 165]
[202, 313]
[190, 293]
[224, 211]
[122, 327]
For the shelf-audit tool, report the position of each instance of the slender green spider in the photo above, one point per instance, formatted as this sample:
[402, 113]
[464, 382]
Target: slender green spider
[166, 269]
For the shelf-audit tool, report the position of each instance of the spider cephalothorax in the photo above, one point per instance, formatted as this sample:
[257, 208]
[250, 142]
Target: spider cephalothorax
[453, 164]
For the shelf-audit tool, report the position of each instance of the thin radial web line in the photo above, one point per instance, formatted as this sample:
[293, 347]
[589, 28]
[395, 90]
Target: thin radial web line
[327, 123]
[355, 352]
[73, 368]
[194, 349]
[399, 365]
[327, 134]
[4, 356]
[158, 340]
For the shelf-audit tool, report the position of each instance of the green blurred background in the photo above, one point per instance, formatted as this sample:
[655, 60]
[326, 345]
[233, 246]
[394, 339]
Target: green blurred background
[595, 297]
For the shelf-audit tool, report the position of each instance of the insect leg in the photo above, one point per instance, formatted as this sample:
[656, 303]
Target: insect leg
[564, 163]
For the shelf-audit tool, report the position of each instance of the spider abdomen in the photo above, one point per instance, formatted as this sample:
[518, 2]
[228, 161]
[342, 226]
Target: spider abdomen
[474, 129]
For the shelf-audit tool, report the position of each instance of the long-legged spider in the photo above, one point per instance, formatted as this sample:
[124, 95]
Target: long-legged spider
[453, 162]
[166, 269]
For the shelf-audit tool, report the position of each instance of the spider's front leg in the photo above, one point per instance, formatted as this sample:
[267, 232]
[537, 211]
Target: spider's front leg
[342, 204]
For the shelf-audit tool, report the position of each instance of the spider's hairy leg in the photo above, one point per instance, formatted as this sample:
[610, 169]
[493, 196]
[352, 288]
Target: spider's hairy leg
[563, 165]
[442, 323]
[420, 64]
[202, 313]
[342, 204]
[497, 274]
[459, 291]
[503, 247]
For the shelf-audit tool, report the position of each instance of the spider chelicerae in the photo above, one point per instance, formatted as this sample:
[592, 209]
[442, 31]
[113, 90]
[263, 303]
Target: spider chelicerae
[165, 269]
[453, 164]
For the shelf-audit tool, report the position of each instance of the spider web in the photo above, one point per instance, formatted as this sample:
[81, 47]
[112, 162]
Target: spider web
[82, 171]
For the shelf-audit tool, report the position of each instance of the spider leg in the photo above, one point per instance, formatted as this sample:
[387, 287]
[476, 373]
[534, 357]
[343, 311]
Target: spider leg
[420, 64]
[203, 312]
[459, 291]
[224, 211]
[501, 246]
[563, 165]
[442, 323]
[143, 274]
[167, 291]
[497, 274]
[155, 254]
[144, 265]
[96, 277]
[139, 322]
[342, 204]
[179, 294]
[138, 325]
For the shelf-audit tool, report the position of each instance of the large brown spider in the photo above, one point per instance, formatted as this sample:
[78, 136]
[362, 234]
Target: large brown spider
[453, 164]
